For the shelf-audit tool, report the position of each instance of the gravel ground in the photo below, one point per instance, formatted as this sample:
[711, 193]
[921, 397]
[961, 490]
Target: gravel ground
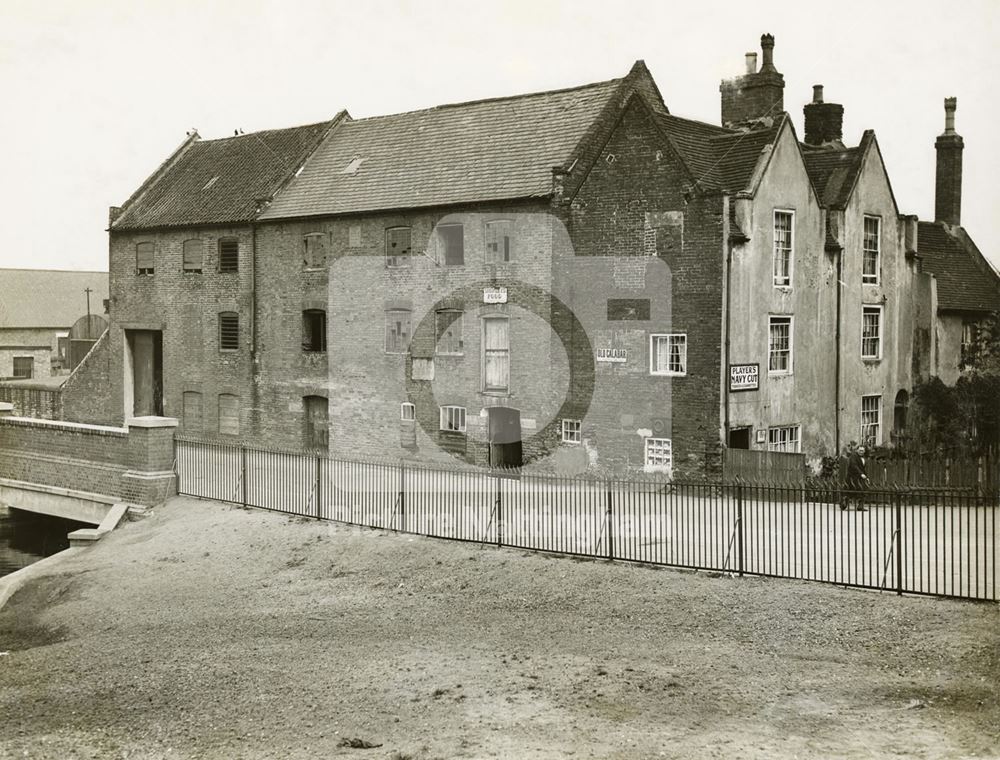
[210, 631]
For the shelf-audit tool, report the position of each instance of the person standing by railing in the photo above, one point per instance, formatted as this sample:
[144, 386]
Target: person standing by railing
[857, 479]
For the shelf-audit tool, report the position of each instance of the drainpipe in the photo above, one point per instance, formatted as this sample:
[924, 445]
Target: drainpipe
[729, 266]
[836, 373]
[254, 357]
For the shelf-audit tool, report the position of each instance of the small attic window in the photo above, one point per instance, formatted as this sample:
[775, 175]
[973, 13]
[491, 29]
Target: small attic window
[353, 166]
[210, 183]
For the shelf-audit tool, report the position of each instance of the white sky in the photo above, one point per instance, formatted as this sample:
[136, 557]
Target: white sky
[96, 95]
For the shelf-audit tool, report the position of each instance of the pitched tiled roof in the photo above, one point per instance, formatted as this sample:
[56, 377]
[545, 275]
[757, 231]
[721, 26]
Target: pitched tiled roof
[484, 150]
[220, 181]
[965, 282]
[49, 298]
[833, 172]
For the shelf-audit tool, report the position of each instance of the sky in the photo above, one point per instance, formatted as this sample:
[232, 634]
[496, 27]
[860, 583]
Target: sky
[95, 95]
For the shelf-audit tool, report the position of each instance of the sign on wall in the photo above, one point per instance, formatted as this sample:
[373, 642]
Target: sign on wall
[614, 355]
[744, 377]
[495, 295]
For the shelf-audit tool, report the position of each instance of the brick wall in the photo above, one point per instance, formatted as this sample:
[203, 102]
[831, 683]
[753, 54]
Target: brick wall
[87, 393]
[43, 403]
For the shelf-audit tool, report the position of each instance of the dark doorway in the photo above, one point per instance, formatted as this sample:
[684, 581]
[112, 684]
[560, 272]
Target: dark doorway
[146, 347]
[504, 436]
[739, 438]
[899, 414]
[317, 429]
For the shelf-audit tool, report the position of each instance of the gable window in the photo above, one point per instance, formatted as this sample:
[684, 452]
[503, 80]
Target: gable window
[229, 256]
[144, 258]
[498, 241]
[229, 331]
[871, 332]
[193, 256]
[668, 354]
[397, 247]
[784, 439]
[314, 250]
[779, 345]
[451, 242]
[453, 419]
[871, 420]
[314, 330]
[496, 354]
[397, 331]
[871, 250]
[229, 414]
[24, 366]
[191, 412]
[407, 411]
[448, 325]
[571, 431]
[783, 241]
[658, 454]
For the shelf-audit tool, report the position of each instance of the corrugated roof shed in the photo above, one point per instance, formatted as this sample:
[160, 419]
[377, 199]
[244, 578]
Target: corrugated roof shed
[49, 298]
[220, 181]
[502, 148]
[965, 282]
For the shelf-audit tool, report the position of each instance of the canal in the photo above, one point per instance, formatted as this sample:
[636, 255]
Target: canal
[26, 537]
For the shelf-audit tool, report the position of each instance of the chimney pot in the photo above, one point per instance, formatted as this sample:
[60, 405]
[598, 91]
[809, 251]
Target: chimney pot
[817, 93]
[950, 105]
[767, 47]
[751, 63]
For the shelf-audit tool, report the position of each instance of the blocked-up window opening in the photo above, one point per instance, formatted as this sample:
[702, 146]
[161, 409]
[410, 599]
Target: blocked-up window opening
[229, 331]
[314, 330]
[779, 345]
[144, 258]
[191, 417]
[871, 332]
[229, 414]
[449, 325]
[194, 256]
[496, 354]
[628, 308]
[659, 453]
[316, 422]
[871, 250]
[24, 366]
[314, 250]
[397, 331]
[407, 411]
[668, 354]
[871, 420]
[784, 439]
[453, 419]
[229, 256]
[397, 247]
[571, 431]
[499, 235]
[783, 248]
[451, 239]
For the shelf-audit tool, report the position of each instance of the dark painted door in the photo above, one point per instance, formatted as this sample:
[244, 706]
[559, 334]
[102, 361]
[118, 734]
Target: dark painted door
[317, 430]
[504, 436]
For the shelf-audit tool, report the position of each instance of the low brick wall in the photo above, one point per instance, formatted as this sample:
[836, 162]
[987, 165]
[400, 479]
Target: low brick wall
[133, 464]
[28, 401]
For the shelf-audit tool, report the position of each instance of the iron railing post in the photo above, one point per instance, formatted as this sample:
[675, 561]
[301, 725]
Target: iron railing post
[402, 497]
[608, 516]
[499, 510]
[319, 487]
[243, 474]
[899, 542]
[739, 527]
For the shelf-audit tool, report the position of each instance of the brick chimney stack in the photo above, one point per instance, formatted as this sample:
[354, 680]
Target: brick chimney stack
[824, 121]
[756, 94]
[948, 182]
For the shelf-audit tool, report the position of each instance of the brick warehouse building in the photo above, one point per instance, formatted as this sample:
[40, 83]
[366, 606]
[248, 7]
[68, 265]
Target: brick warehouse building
[564, 277]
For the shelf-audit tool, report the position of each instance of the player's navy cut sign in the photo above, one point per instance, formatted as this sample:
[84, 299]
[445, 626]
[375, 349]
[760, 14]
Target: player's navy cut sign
[744, 377]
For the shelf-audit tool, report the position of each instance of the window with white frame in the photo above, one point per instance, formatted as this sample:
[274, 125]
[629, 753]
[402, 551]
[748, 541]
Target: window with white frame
[571, 431]
[496, 354]
[783, 243]
[871, 332]
[871, 250]
[448, 324]
[397, 247]
[658, 454]
[871, 420]
[779, 345]
[407, 411]
[668, 354]
[498, 241]
[784, 438]
[397, 331]
[24, 367]
[453, 419]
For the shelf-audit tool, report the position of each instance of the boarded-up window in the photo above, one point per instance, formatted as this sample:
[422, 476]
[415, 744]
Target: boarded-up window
[194, 256]
[397, 247]
[144, 258]
[499, 236]
[448, 324]
[317, 430]
[24, 366]
[314, 250]
[229, 331]
[229, 414]
[397, 331]
[191, 412]
[229, 256]
[314, 330]
[451, 244]
[496, 354]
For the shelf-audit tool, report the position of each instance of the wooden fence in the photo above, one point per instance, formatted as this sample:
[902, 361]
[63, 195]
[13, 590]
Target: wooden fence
[754, 466]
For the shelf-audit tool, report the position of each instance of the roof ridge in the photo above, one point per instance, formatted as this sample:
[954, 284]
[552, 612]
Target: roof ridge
[521, 96]
[723, 131]
[260, 132]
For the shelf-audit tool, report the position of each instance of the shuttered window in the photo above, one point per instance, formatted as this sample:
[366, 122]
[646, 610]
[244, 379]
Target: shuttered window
[229, 331]
[229, 256]
[144, 258]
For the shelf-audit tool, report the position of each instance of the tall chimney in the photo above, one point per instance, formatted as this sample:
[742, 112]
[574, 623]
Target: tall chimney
[948, 182]
[824, 121]
[756, 94]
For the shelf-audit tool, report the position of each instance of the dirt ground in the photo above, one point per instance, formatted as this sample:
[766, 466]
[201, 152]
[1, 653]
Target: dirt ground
[210, 631]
